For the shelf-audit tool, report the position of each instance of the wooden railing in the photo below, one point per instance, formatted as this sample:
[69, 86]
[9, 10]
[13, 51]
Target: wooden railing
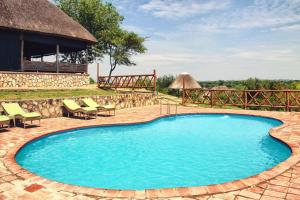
[145, 81]
[36, 66]
[269, 99]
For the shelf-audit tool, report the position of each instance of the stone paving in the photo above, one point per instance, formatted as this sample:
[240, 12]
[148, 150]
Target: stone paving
[280, 182]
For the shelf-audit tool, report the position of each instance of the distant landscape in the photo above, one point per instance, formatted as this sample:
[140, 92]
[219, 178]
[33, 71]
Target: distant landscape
[249, 84]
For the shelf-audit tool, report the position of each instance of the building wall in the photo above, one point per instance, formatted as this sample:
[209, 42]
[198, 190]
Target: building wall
[51, 108]
[10, 80]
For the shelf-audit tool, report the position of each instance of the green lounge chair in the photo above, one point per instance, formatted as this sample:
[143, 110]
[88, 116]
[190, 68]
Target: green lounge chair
[91, 103]
[17, 113]
[72, 107]
[4, 120]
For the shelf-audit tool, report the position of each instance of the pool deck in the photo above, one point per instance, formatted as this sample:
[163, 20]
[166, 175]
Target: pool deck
[280, 182]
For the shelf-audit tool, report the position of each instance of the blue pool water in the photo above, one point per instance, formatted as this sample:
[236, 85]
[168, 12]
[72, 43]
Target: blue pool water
[186, 150]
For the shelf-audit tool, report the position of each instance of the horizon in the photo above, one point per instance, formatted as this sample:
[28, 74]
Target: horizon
[212, 40]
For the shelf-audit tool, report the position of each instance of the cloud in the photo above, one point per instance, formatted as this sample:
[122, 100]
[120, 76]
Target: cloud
[278, 55]
[133, 28]
[174, 58]
[255, 38]
[293, 27]
[269, 14]
[256, 55]
[182, 8]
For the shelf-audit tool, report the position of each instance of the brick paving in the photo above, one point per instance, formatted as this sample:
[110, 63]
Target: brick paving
[280, 182]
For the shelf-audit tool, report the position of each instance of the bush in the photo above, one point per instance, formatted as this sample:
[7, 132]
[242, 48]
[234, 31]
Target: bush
[92, 81]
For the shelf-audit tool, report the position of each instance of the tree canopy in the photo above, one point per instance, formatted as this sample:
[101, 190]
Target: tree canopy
[104, 22]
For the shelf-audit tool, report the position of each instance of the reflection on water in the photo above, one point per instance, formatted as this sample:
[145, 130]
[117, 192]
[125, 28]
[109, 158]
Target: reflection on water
[271, 147]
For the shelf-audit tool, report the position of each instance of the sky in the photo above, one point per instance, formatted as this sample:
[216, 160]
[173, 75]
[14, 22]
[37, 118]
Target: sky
[214, 39]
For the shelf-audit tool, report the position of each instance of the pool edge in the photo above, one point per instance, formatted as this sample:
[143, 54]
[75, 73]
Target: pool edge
[168, 192]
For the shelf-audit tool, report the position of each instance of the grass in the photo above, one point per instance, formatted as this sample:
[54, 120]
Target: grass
[55, 93]
[174, 99]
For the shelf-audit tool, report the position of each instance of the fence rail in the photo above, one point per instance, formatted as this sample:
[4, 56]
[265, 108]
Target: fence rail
[146, 81]
[36, 66]
[273, 99]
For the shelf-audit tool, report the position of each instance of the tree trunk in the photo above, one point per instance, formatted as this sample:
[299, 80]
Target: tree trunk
[109, 75]
[112, 66]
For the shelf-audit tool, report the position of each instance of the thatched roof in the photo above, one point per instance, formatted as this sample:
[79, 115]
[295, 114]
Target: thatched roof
[221, 87]
[187, 79]
[41, 16]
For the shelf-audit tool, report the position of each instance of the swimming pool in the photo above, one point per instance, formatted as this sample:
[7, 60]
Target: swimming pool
[180, 151]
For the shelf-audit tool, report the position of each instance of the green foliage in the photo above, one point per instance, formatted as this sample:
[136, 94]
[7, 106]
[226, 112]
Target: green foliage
[221, 97]
[296, 85]
[104, 22]
[249, 84]
[254, 84]
[92, 81]
[92, 15]
[162, 84]
[121, 46]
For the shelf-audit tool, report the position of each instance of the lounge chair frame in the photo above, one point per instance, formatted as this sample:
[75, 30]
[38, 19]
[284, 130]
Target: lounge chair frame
[99, 108]
[7, 123]
[80, 111]
[23, 120]
[20, 117]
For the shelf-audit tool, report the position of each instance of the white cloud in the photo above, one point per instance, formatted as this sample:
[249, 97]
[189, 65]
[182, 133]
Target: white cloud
[188, 45]
[293, 27]
[174, 58]
[182, 8]
[270, 14]
[258, 53]
[267, 54]
[136, 29]
[262, 61]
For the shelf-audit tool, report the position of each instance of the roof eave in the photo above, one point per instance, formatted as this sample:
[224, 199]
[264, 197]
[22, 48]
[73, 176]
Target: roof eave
[93, 40]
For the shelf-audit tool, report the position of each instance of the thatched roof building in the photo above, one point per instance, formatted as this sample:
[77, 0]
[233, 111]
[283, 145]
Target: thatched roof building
[220, 87]
[36, 28]
[184, 81]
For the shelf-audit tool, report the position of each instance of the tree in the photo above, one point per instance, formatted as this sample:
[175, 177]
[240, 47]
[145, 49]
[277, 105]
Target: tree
[104, 22]
[121, 46]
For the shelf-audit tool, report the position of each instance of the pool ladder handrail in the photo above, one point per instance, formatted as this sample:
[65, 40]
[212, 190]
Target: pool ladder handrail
[168, 103]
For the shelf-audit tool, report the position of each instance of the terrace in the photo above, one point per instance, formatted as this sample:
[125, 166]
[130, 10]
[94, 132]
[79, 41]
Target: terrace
[26, 41]
[280, 182]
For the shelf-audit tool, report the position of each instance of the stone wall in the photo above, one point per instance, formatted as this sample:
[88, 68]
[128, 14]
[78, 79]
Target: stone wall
[41, 80]
[50, 108]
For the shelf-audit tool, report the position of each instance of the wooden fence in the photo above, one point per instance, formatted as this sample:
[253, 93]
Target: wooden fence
[269, 99]
[143, 81]
[37, 66]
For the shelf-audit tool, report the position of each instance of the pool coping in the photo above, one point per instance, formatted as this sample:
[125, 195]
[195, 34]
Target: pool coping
[236, 185]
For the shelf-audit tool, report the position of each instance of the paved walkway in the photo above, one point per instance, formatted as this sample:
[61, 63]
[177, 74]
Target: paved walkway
[281, 182]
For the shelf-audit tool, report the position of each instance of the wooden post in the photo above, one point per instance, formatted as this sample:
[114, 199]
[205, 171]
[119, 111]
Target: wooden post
[154, 74]
[245, 99]
[22, 52]
[98, 73]
[57, 58]
[211, 98]
[287, 101]
[183, 91]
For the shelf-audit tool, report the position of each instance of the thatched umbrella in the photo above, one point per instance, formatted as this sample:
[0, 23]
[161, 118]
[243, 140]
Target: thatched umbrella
[221, 87]
[184, 81]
